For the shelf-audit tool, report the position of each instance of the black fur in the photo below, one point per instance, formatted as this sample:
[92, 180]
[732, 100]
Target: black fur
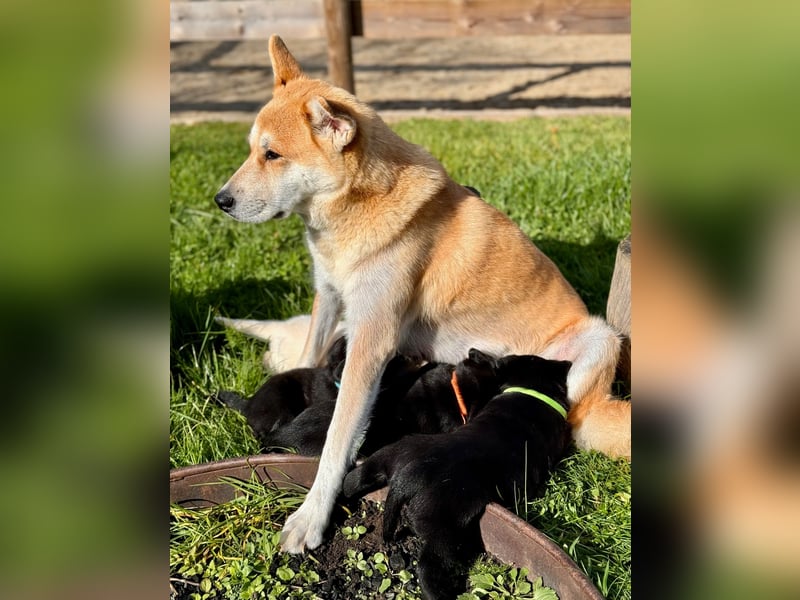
[444, 482]
[285, 395]
[293, 410]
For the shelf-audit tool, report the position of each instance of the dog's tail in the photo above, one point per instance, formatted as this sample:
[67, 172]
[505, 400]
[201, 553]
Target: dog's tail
[286, 338]
[602, 422]
[267, 330]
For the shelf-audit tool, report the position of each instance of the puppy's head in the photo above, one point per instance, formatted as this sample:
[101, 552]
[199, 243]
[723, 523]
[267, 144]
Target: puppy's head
[534, 372]
[336, 357]
[296, 147]
[477, 380]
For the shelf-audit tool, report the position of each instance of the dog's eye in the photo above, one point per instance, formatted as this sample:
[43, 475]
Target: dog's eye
[271, 155]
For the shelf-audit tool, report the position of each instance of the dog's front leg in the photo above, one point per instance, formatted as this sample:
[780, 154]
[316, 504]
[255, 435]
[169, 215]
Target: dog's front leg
[370, 346]
[324, 319]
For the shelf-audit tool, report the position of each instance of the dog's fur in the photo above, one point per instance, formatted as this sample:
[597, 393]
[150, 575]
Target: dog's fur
[286, 338]
[446, 481]
[411, 260]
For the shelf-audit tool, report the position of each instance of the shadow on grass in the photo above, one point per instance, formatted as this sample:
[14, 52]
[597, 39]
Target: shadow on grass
[587, 267]
[192, 314]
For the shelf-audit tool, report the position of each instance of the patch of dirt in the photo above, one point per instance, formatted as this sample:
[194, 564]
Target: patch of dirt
[342, 580]
[347, 567]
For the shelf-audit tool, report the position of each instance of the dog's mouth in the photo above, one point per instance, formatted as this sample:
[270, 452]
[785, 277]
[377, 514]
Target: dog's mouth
[280, 214]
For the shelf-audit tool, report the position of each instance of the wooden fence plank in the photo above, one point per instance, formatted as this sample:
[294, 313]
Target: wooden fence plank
[340, 49]
[257, 19]
[245, 19]
[440, 18]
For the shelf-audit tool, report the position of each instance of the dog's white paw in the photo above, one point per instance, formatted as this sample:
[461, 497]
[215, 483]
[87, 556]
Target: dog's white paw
[304, 528]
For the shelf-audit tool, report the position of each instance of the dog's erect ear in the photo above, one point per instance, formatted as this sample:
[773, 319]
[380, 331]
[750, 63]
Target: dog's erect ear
[339, 128]
[284, 65]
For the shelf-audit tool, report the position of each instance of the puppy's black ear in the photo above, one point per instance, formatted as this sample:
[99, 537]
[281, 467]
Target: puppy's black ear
[561, 369]
[480, 358]
[477, 380]
[338, 351]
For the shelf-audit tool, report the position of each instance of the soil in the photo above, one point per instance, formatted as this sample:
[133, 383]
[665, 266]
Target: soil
[340, 580]
[339, 577]
[475, 77]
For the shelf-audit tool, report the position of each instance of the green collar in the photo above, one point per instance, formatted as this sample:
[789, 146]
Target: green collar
[539, 395]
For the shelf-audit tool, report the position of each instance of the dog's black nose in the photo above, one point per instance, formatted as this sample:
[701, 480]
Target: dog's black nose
[224, 200]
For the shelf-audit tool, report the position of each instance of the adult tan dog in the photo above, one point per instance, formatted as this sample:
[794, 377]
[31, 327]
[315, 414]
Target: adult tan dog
[410, 261]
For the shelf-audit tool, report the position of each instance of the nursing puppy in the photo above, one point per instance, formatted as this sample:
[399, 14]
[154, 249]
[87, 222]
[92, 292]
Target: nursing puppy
[286, 395]
[293, 409]
[445, 481]
[413, 262]
[431, 404]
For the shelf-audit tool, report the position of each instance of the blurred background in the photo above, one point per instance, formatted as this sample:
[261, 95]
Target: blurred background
[84, 239]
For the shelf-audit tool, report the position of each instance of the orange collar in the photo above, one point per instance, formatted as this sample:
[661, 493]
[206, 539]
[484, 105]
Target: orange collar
[462, 408]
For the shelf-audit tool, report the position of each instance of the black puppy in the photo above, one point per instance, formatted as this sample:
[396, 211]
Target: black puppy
[286, 395]
[293, 409]
[445, 481]
[412, 399]
[307, 432]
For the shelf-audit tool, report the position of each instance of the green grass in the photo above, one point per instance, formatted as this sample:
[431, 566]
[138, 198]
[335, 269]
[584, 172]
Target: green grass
[566, 182]
[586, 509]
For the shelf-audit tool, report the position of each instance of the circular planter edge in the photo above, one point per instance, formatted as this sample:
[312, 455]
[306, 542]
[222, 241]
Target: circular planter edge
[505, 536]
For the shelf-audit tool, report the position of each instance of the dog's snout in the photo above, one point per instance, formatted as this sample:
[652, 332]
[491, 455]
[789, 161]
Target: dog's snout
[224, 200]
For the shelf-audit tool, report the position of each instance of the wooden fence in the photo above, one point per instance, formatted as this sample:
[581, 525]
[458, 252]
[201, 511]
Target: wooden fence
[338, 20]
[257, 19]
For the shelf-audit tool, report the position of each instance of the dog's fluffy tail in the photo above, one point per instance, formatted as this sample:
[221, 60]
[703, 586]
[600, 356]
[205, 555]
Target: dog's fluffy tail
[267, 330]
[286, 338]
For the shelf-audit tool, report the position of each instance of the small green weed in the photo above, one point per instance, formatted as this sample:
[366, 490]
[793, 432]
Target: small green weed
[492, 580]
[396, 582]
[233, 548]
[353, 533]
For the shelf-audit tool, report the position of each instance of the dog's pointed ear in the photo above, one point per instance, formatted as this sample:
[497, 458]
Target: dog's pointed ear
[284, 65]
[339, 128]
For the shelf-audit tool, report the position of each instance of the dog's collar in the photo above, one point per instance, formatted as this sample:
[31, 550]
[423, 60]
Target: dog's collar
[462, 407]
[540, 396]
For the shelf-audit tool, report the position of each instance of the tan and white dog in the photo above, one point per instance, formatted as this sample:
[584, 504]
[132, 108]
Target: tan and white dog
[409, 261]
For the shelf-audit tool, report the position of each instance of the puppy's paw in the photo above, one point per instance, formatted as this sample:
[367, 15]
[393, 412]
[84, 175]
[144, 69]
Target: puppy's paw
[304, 528]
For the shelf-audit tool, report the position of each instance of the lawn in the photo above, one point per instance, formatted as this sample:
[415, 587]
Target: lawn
[566, 182]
